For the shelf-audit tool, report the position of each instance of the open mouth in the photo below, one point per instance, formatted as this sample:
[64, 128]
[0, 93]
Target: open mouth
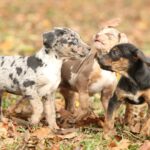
[98, 41]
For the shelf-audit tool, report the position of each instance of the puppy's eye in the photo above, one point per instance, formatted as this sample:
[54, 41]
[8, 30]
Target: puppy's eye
[115, 54]
[74, 42]
[110, 36]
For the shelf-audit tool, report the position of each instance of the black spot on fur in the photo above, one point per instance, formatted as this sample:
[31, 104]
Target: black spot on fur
[21, 57]
[12, 63]
[60, 32]
[48, 39]
[2, 63]
[25, 72]
[15, 81]
[34, 62]
[19, 70]
[28, 83]
[64, 41]
[11, 76]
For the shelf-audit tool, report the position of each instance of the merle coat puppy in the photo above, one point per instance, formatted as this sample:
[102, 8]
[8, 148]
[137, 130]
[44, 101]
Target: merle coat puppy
[134, 85]
[37, 77]
[86, 77]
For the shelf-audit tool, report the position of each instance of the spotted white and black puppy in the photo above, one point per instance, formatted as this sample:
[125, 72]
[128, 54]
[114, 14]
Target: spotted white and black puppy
[37, 77]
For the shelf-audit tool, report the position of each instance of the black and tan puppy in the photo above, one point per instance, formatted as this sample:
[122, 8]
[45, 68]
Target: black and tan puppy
[134, 84]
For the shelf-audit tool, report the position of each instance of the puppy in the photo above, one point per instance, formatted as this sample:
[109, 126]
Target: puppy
[37, 77]
[134, 85]
[86, 77]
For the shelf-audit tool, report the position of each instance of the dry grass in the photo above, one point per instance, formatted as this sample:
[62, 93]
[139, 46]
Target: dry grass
[22, 23]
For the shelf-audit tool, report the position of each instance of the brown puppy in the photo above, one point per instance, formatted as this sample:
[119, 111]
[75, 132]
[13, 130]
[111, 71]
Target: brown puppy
[86, 77]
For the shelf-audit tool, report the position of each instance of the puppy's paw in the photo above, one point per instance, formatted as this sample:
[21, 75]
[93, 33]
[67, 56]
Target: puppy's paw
[108, 134]
[34, 120]
[54, 127]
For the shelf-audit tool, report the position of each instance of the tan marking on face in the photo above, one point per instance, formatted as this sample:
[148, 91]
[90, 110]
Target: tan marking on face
[121, 65]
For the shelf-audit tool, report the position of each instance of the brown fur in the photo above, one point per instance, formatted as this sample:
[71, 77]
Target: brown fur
[90, 75]
[134, 85]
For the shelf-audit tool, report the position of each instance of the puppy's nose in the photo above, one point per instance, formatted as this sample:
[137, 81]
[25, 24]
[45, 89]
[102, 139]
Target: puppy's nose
[100, 58]
[96, 36]
[88, 48]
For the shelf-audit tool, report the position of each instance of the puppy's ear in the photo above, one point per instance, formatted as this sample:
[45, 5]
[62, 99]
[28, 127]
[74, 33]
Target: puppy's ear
[48, 39]
[123, 38]
[142, 57]
[60, 31]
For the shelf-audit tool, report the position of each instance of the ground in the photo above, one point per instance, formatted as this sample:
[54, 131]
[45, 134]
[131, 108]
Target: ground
[22, 23]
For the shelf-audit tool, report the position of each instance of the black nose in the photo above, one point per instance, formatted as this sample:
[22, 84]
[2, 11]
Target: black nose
[100, 60]
[89, 48]
[100, 57]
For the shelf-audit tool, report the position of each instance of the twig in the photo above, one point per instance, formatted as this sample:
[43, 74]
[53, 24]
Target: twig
[20, 121]
[133, 135]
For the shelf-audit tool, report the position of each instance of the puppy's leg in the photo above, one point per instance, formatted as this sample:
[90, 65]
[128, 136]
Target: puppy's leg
[84, 108]
[37, 106]
[69, 99]
[1, 111]
[49, 108]
[12, 108]
[106, 94]
[112, 107]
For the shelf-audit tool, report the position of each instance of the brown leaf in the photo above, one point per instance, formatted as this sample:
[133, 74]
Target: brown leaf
[123, 144]
[55, 147]
[112, 23]
[145, 145]
[112, 144]
[43, 132]
[68, 136]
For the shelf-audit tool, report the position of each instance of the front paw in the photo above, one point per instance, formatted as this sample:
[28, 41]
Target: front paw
[54, 128]
[34, 120]
[81, 114]
[109, 133]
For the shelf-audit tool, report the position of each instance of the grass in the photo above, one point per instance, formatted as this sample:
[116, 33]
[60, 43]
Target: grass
[21, 31]
[89, 137]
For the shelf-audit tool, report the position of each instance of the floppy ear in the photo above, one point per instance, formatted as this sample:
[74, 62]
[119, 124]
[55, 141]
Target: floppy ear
[48, 39]
[123, 38]
[142, 57]
[60, 31]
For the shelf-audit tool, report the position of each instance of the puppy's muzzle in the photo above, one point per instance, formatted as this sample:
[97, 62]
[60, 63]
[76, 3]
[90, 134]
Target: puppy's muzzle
[85, 51]
[102, 62]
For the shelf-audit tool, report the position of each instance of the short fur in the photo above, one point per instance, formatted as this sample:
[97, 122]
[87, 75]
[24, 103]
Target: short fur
[37, 77]
[86, 77]
[134, 86]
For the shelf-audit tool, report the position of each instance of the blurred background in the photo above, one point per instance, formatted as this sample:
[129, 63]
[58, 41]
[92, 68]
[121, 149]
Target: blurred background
[22, 22]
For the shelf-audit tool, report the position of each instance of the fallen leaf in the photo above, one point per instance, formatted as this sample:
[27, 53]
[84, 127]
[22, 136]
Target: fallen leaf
[68, 136]
[55, 147]
[44, 132]
[123, 144]
[3, 132]
[145, 145]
